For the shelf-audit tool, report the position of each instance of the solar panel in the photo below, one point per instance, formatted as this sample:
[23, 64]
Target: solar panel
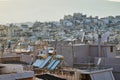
[37, 63]
[55, 65]
[51, 64]
[45, 62]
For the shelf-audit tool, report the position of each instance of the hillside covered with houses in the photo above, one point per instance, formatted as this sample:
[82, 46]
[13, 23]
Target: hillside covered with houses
[71, 27]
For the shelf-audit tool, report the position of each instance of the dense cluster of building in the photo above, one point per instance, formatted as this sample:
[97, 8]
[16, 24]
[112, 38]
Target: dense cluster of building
[71, 27]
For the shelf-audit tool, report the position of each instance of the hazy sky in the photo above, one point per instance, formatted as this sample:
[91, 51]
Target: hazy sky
[52, 10]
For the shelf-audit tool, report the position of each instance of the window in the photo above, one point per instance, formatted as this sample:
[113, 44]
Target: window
[111, 48]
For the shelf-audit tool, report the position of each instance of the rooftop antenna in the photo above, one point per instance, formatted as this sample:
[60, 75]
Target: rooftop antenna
[99, 44]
